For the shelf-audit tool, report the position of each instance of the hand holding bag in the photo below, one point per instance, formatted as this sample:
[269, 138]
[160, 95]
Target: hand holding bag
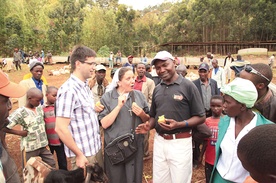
[123, 148]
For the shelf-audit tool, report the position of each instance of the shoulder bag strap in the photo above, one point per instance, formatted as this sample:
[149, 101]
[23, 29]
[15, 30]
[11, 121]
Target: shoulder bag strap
[133, 115]
[133, 130]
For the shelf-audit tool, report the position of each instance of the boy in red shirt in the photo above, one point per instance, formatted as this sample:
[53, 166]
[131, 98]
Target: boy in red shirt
[50, 122]
[209, 143]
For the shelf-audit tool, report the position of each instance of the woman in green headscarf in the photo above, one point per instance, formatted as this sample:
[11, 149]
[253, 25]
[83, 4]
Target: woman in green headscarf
[239, 97]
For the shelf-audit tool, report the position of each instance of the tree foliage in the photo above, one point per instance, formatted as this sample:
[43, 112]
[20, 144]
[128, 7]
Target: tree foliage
[58, 25]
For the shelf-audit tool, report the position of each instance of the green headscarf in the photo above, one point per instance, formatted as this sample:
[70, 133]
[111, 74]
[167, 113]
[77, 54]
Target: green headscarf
[242, 90]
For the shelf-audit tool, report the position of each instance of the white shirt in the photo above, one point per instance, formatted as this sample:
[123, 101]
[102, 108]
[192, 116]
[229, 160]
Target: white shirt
[228, 62]
[229, 166]
[219, 77]
[271, 59]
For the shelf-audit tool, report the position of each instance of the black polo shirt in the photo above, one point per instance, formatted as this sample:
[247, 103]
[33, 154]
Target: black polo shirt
[179, 100]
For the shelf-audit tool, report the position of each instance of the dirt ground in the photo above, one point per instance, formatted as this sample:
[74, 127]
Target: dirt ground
[13, 142]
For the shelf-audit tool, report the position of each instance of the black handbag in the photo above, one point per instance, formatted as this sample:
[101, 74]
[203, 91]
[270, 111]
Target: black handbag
[123, 148]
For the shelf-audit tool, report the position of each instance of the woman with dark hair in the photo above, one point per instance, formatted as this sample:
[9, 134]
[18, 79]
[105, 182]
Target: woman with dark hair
[123, 106]
[239, 98]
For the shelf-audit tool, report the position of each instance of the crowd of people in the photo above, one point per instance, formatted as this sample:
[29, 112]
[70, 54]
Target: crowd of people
[19, 57]
[212, 118]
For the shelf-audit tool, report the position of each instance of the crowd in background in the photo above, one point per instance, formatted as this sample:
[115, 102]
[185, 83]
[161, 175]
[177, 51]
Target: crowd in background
[192, 118]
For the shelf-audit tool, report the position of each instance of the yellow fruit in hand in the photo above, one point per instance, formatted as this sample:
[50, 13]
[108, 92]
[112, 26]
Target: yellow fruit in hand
[161, 119]
[98, 103]
[134, 103]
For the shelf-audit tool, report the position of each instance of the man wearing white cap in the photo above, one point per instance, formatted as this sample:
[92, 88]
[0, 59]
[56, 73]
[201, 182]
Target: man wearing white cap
[178, 101]
[98, 83]
[7, 89]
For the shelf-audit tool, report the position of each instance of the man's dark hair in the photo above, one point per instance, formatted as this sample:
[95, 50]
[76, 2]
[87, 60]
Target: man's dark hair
[140, 63]
[239, 57]
[258, 148]
[80, 53]
[148, 67]
[265, 70]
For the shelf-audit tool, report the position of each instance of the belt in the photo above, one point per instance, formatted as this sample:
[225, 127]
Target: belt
[180, 135]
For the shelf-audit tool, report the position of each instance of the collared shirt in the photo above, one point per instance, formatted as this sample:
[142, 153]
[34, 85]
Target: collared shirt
[219, 76]
[206, 94]
[50, 124]
[75, 101]
[139, 83]
[38, 84]
[124, 120]
[33, 123]
[98, 91]
[229, 166]
[179, 100]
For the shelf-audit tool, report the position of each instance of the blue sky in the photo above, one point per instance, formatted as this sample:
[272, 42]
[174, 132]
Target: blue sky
[141, 4]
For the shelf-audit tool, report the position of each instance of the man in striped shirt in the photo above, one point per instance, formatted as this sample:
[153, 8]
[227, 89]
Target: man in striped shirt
[76, 120]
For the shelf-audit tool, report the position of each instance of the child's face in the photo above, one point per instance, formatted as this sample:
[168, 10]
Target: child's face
[51, 96]
[216, 107]
[35, 100]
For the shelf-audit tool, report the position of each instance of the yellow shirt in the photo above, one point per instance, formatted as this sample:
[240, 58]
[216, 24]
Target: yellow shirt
[29, 75]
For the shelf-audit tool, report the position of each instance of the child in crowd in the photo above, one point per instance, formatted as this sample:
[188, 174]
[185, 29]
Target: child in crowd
[50, 122]
[216, 104]
[33, 135]
[256, 151]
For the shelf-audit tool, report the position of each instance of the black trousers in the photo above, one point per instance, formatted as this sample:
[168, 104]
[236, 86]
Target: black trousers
[17, 65]
[61, 157]
[197, 143]
[208, 171]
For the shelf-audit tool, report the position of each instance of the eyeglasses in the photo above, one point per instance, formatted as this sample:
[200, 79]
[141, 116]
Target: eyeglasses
[89, 63]
[250, 69]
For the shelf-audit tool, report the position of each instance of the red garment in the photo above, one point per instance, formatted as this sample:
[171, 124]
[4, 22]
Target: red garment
[50, 123]
[139, 83]
[210, 153]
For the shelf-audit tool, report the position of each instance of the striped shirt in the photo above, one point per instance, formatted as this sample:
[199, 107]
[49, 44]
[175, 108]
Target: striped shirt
[50, 124]
[75, 101]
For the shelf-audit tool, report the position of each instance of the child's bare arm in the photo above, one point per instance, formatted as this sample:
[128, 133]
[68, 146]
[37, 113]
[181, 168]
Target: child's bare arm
[22, 133]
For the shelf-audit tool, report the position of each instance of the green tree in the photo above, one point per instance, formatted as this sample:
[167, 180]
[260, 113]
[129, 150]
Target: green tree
[103, 51]
[124, 21]
[99, 28]
[65, 24]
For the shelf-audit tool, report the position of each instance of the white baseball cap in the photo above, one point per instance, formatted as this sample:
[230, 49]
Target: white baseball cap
[162, 55]
[100, 67]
